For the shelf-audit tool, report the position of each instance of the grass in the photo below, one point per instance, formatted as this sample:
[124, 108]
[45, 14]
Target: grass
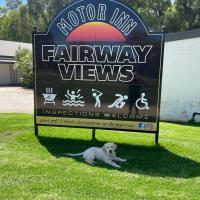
[35, 167]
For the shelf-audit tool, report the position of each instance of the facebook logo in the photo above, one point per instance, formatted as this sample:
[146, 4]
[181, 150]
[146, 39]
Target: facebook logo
[141, 125]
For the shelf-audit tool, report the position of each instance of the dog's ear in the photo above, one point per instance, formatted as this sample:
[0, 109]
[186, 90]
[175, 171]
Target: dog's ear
[104, 147]
[115, 146]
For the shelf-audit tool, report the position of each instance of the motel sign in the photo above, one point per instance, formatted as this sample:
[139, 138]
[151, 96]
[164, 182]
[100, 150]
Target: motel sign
[98, 66]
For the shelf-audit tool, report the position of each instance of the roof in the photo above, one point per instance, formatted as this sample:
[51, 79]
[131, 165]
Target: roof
[9, 48]
[7, 59]
[182, 35]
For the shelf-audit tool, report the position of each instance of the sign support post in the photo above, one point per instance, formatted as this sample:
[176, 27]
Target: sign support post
[93, 135]
[36, 130]
[156, 138]
[34, 73]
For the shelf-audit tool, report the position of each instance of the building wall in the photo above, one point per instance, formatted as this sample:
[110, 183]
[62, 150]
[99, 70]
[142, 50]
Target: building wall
[4, 74]
[181, 80]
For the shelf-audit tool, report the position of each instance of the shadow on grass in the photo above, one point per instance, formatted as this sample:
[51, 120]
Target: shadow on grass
[151, 161]
[190, 124]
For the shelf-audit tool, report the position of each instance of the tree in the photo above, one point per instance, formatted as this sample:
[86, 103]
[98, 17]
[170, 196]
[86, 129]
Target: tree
[43, 11]
[189, 11]
[159, 7]
[3, 11]
[39, 12]
[25, 24]
[172, 21]
[136, 3]
[157, 10]
[149, 17]
[16, 25]
[9, 26]
[56, 6]
[25, 67]
[152, 11]
[17, 20]
[13, 4]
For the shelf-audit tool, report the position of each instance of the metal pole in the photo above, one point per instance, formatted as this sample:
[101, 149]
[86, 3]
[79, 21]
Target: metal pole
[36, 130]
[34, 71]
[93, 135]
[156, 138]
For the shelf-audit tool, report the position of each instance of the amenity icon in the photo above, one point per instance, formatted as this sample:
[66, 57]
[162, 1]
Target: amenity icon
[73, 99]
[97, 94]
[49, 96]
[142, 103]
[119, 102]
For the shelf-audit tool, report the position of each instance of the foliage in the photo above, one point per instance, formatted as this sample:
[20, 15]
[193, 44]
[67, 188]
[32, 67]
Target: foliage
[10, 26]
[150, 18]
[24, 64]
[3, 11]
[189, 11]
[16, 25]
[43, 11]
[172, 21]
[25, 24]
[13, 4]
[152, 11]
[17, 21]
[36, 167]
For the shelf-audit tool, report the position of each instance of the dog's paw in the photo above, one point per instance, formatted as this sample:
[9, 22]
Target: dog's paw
[117, 166]
[94, 163]
[90, 162]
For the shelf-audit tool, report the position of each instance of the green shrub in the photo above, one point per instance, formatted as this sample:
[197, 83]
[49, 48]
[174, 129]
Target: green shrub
[25, 67]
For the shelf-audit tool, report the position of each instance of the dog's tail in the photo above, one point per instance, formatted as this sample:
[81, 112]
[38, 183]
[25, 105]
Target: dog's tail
[74, 155]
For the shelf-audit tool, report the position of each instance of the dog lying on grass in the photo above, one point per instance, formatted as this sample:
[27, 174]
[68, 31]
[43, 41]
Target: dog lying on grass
[106, 154]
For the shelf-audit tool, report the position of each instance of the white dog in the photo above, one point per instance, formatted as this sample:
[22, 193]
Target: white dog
[106, 154]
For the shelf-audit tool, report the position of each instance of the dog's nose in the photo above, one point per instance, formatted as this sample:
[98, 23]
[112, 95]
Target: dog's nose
[110, 151]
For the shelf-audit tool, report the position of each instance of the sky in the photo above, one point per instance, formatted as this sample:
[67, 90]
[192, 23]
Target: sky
[3, 2]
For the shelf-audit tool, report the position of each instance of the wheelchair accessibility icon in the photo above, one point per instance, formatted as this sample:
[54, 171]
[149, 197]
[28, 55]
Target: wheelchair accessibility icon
[142, 103]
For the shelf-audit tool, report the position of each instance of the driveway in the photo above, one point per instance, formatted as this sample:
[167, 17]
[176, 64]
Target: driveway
[16, 100]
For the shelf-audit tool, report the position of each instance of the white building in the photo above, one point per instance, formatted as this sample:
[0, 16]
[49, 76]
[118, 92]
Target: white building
[8, 73]
[181, 76]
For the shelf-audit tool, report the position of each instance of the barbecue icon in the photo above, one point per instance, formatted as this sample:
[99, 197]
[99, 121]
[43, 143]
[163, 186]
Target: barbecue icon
[49, 97]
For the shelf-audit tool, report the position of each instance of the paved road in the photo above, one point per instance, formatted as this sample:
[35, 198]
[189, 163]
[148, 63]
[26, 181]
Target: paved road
[16, 100]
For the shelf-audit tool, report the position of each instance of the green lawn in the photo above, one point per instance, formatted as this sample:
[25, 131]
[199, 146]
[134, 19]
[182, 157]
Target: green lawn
[35, 167]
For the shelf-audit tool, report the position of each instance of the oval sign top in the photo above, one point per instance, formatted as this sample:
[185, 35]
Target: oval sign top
[99, 20]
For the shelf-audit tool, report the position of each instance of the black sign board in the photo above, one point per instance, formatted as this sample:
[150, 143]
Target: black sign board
[98, 66]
